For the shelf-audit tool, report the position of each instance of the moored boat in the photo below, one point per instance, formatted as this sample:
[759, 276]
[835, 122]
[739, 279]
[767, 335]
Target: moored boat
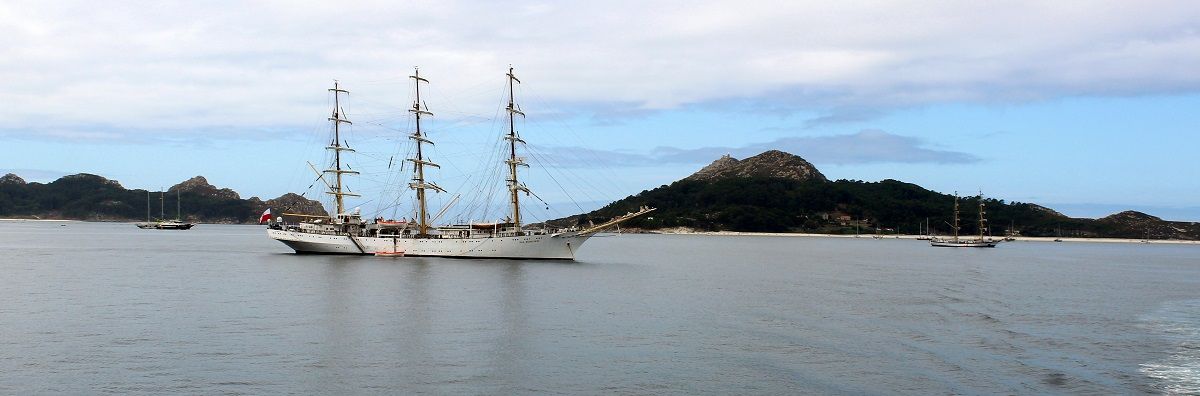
[162, 223]
[924, 235]
[962, 243]
[955, 241]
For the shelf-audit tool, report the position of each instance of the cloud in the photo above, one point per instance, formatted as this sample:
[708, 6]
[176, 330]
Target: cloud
[863, 147]
[843, 115]
[187, 137]
[264, 65]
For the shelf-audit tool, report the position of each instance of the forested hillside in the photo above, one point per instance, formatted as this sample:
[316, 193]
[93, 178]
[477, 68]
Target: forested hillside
[813, 204]
[91, 197]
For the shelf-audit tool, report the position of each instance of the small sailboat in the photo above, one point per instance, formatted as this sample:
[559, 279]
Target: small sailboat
[1012, 232]
[924, 235]
[162, 223]
[960, 242]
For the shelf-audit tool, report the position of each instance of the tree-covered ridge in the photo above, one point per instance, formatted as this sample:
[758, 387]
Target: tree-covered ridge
[787, 205]
[91, 197]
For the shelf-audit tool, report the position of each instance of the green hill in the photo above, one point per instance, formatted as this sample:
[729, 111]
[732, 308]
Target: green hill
[91, 197]
[810, 203]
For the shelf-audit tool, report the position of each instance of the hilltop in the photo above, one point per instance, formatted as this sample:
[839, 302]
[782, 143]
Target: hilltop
[91, 197]
[769, 164]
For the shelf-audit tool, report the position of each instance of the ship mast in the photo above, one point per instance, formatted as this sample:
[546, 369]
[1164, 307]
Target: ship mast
[513, 161]
[982, 221]
[955, 217]
[336, 189]
[419, 162]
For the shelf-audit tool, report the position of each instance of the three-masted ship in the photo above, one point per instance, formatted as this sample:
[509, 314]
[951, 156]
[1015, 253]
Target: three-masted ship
[956, 241]
[163, 223]
[348, 233]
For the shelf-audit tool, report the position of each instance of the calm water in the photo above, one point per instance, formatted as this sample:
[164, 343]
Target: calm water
[108, 308]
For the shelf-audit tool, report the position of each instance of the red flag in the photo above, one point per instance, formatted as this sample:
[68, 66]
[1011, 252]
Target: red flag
[266, 216]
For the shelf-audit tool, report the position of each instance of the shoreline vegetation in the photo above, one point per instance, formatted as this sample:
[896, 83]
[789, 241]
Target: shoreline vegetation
[89, 197]
[777, 192]
[773, 193]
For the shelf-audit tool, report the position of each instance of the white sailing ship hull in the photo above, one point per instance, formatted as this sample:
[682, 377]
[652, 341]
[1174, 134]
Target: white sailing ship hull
[552, 246]
[974, 244]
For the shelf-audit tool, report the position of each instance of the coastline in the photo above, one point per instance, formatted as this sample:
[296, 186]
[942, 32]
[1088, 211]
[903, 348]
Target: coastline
[914, 237]
[685, 231]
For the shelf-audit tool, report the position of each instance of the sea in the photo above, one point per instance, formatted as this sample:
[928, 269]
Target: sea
[107, 308]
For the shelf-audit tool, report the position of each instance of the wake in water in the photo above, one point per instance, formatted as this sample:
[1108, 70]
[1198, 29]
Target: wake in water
[1179, 372]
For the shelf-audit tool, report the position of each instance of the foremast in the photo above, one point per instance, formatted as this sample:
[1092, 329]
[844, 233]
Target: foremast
[337, 188]
[982, 220]
[419, 162]
[514, 186]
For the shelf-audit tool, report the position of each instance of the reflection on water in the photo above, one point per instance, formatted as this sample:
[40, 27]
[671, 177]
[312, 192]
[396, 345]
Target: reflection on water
[223, 309]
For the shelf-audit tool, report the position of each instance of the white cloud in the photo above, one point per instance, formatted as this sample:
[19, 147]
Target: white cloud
[862, 147]
[179, 66]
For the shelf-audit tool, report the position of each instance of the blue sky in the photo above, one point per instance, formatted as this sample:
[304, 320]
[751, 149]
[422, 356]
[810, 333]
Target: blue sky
[1085, 107]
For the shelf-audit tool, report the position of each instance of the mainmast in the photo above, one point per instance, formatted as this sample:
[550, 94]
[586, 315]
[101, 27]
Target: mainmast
[982, 221]
[336, 189]
[419, 184]
[955, 217]
[513, 160]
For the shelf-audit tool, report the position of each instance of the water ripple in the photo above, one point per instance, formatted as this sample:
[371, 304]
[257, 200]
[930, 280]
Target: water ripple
[1179, 372]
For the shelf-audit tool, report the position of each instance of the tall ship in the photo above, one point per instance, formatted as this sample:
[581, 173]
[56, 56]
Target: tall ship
[956, 241]
[346, 232]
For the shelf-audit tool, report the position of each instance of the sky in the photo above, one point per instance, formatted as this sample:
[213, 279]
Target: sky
[1087, 107]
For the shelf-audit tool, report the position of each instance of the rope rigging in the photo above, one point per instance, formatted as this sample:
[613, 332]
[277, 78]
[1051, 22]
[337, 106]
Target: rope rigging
[380, 140]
